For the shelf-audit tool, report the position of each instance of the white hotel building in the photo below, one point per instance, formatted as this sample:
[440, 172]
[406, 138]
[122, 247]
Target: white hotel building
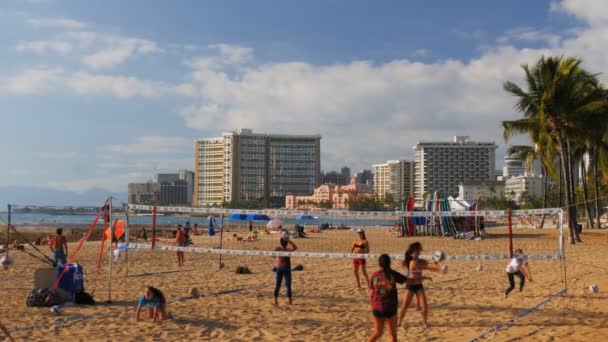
[442, 166]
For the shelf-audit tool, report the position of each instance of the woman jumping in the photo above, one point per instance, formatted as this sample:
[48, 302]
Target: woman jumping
[360, 246]
[283, 269]
[415, 267]
[518, 267]
[383, 298]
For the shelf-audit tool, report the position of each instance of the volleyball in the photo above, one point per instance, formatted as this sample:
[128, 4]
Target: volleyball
[56, 310]
[594, 289]
[444, 268]
[438, 256]
[6, 262]
[479, 268]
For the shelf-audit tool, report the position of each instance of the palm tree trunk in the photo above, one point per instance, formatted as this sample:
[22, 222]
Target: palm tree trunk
[570, 187]
[586, 194]
[565, 160]
[545, 191]
[560, 189]
[596, 186]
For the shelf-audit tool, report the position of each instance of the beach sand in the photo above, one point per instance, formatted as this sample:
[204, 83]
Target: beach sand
[463, 303]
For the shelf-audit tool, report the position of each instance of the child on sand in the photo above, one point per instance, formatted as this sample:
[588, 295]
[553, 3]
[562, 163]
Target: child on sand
[518, 267]
[383, 298]
[154, 300]
[415, 267]
[59, 246]
[284, 269]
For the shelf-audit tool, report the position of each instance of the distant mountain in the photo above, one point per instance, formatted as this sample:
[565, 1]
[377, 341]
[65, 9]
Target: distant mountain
[24, 195]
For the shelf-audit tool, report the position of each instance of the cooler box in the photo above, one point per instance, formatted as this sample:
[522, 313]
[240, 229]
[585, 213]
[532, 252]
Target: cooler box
[72, 280]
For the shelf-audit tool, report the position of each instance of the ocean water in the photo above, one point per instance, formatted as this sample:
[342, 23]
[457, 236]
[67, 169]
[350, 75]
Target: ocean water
[47, 219]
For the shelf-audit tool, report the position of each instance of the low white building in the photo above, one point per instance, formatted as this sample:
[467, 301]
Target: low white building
[469, 190]
[519, 187]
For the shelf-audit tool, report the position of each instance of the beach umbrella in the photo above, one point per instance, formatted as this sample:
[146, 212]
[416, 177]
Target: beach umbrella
[274, 224]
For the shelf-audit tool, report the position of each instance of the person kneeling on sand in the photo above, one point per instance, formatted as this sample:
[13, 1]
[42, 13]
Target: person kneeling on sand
[154, 300]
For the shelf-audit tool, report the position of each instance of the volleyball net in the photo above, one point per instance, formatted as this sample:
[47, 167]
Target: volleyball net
[466, 235]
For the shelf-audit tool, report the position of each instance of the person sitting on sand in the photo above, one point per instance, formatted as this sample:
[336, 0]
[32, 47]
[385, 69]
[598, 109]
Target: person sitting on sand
[180, 241]
[284, 270]
[154, 300]
[195, 231]
[253, 236]
[235, 237]
[415, 267]
[383, 298]
[360, 246]
[518, 267]
[59, 247]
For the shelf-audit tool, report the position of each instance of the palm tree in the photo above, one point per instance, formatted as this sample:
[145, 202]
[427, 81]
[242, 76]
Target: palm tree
[559, 94]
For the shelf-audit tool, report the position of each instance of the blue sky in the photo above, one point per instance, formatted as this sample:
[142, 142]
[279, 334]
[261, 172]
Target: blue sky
[101, 93]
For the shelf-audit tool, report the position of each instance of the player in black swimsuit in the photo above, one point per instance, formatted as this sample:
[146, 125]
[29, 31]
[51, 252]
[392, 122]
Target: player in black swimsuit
[414, 286]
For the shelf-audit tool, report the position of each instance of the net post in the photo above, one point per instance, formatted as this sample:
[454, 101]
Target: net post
[110, 251]
[154, 227]
[221, 238]
[8, 228]
[510, 224]
[126, 209]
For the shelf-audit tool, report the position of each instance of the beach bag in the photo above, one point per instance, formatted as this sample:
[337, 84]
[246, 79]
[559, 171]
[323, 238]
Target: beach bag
[37, 297]
[84, 298]
[242, 270]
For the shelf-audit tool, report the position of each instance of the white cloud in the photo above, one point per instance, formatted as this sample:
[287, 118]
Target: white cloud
[422, 53]
[530, 35]
[33, 81]
[59, 155]
[42, 46]
[60, 23]
[120, 86]
[233, 54]
[154, 145]
[592, 11]
[117, 50]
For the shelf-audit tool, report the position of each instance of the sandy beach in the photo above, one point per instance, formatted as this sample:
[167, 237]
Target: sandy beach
[464, 303]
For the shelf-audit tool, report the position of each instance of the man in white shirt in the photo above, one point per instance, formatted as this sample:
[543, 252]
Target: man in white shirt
[518, 267]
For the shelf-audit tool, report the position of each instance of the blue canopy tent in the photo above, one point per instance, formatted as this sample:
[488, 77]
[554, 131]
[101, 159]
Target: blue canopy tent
[257, 217]
[304, 217]
[238, 217]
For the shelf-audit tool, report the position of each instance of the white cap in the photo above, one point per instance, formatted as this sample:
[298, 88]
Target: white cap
[360, 230]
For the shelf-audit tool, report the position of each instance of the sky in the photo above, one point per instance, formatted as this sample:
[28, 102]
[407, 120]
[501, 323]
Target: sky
[97, 94]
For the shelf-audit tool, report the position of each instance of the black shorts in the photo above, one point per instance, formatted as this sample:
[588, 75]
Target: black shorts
[415, 288]
[384, 314]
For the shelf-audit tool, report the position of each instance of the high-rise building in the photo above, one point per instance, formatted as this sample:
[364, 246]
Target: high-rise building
[395, 178]
[345, 174]
[365, 177]
[442, 166]
[333, 178]
[143, 193]
[513, 167]
[188, 177]
[242, 165]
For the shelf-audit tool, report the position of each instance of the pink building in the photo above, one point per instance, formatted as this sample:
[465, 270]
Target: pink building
[336, 195]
